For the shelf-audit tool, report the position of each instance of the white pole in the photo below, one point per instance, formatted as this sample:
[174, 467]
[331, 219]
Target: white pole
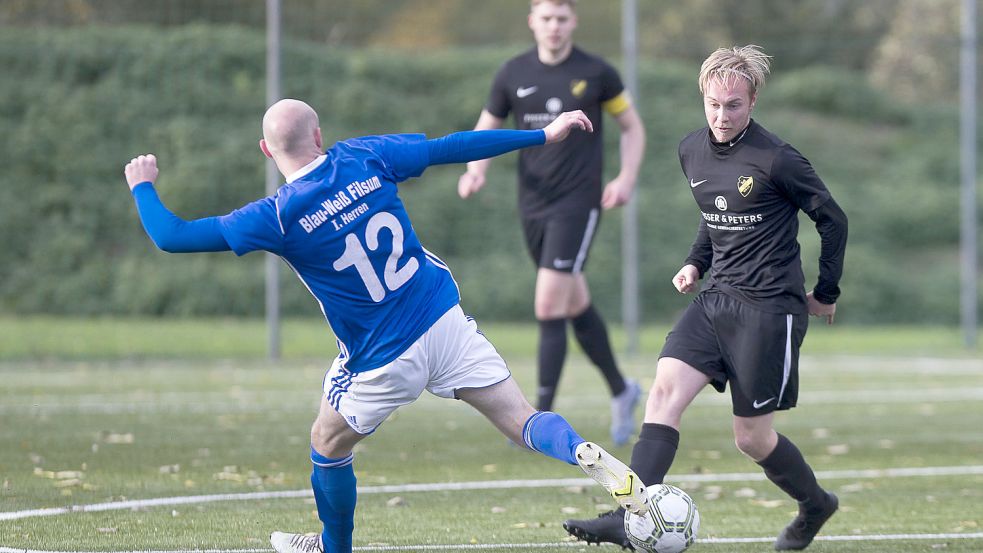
[967, 140]
[630, 297]
[272, 178]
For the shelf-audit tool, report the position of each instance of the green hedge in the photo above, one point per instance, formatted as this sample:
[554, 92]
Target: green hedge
[78, 103]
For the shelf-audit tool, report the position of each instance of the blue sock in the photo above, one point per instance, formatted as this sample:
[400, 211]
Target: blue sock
[551, 434]
[333, 481]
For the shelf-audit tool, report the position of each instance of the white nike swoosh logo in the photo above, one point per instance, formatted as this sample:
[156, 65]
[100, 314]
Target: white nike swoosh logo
[562, 263]
[523, 92]
[695, 184]
[759, 405]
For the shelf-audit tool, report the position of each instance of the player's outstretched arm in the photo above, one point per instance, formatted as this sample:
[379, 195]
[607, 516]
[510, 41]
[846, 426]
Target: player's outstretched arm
[467, 146]
[169, 232]
[474, 178]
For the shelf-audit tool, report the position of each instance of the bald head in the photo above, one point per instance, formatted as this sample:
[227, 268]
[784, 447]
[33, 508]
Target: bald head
[290, 128]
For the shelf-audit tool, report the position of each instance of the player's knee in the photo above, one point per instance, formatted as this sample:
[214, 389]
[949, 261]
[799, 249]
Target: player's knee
[550, 309]
[318, 438]
[659, 394]
[750, 444]
[662, 402]
[323, 440]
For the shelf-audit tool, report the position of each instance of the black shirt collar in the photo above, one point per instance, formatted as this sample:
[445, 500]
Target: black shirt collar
[721, 147]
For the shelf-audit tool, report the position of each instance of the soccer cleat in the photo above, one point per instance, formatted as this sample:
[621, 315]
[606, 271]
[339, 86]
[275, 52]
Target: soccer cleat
[799, 534]
[608, 527]
[296, 543]
[624, 485]
[623, 412]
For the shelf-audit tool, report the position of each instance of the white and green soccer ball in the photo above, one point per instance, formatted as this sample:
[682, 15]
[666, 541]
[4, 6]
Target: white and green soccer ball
[669, 525]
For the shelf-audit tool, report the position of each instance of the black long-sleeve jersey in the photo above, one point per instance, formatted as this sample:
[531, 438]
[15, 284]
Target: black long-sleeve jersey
[749, 192]
[558, 179]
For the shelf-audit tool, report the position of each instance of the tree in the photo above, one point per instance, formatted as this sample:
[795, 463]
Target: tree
[918, 58]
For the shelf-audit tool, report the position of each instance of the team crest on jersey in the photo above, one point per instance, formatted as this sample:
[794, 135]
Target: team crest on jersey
[744, 185]
[578, 87]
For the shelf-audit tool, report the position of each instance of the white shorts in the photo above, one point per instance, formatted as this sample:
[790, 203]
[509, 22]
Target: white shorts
[451, 355]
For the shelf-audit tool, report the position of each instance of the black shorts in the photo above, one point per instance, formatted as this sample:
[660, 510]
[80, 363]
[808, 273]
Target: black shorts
[755, 351]
[561, 242]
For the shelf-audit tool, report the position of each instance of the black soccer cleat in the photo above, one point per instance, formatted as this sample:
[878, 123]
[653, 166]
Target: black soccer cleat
[799, 534]
[608, 527]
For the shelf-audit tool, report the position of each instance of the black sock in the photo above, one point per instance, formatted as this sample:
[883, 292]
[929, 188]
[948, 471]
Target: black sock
[552, 354]
[786, 467]
[654, 452]
[592, 334]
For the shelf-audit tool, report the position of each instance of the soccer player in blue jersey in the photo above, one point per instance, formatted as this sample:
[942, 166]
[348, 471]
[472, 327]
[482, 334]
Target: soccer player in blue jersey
[340, 225]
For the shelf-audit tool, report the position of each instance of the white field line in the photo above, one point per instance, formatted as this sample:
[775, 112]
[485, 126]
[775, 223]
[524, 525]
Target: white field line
[134, 504]
[196, 402]
[917, 365]
[570, 544]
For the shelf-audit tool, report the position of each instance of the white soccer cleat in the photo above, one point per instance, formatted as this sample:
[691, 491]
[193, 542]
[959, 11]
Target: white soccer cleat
[283, 542]
[619, 480]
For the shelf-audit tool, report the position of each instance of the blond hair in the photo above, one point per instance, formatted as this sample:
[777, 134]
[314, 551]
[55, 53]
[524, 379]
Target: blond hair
[571, 3]
[747, 62]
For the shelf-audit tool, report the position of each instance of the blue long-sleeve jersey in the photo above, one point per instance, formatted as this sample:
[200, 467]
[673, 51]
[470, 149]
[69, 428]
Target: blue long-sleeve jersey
[342, 228]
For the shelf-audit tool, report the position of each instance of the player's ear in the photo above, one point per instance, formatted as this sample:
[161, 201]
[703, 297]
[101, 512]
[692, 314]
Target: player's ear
[318, 140]
[266, 150]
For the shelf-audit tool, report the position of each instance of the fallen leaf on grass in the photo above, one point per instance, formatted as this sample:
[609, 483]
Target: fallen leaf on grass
[69, 483]
[116, 438]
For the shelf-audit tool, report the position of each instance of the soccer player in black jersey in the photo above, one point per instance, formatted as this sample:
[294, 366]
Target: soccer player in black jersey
[560, 192]
[746, 325]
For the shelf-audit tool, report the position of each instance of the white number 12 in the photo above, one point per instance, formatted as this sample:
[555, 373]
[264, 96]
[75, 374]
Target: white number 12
[356, 256]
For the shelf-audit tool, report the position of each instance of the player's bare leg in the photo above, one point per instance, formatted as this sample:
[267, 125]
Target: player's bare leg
[505, 406]
[333, 481]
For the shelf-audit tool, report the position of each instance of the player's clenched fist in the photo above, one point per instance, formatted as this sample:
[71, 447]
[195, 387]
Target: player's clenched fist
[564, 123]
[685, 279]
[141, 169]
